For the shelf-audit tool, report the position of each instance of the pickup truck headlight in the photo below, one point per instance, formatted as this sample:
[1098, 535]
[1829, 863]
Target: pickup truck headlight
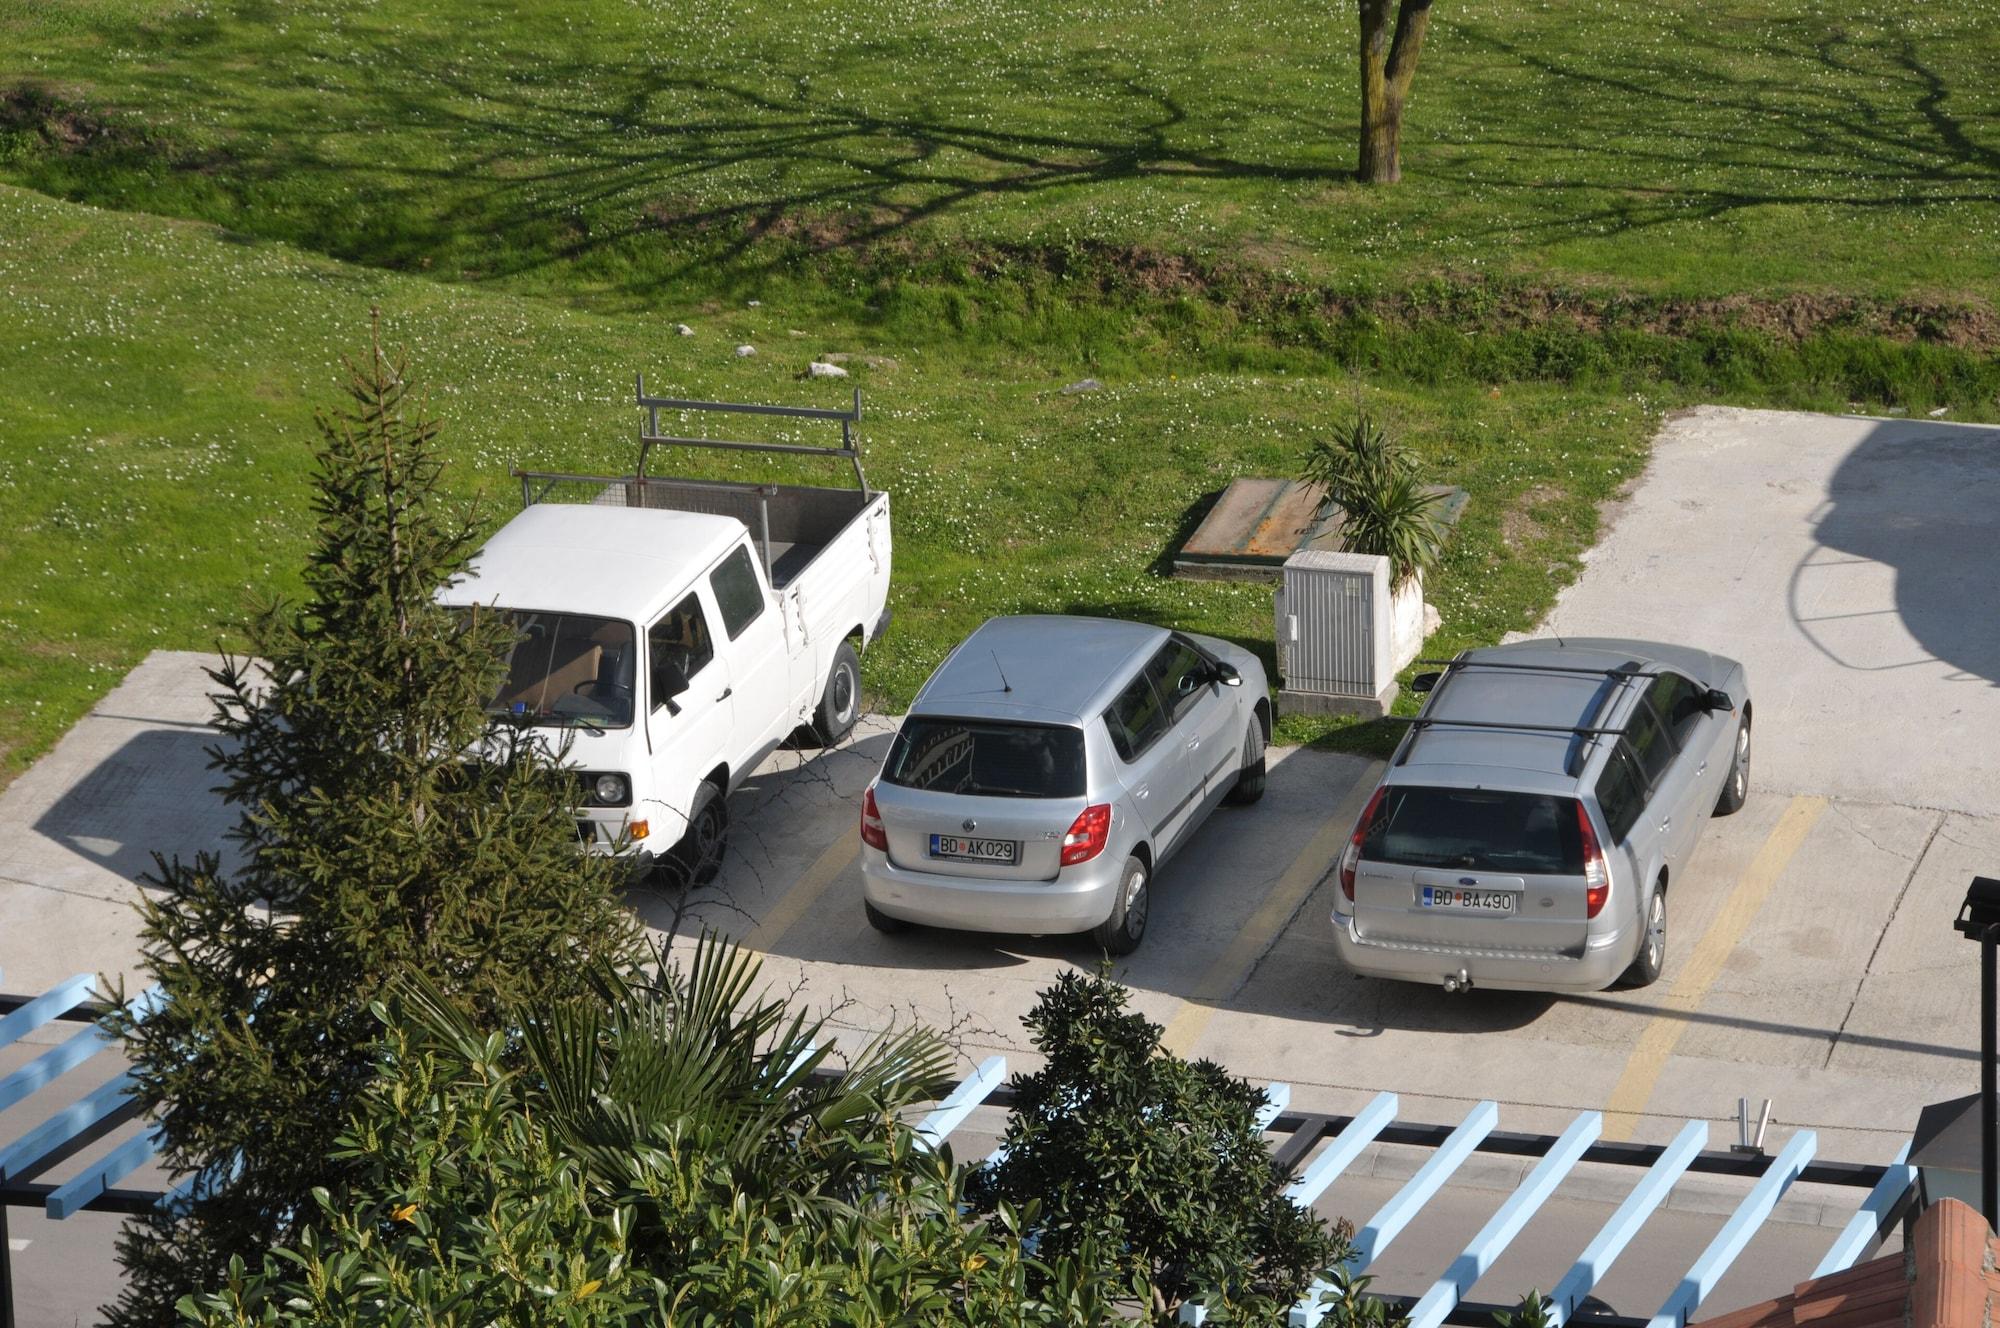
[605, 789]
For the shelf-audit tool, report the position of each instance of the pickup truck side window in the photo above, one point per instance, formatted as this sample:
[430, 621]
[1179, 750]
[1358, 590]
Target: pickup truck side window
[680, 647]
[738, 597]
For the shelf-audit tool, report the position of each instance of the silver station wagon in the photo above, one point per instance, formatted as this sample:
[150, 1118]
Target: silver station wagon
[1534, 819]
[1050, 767]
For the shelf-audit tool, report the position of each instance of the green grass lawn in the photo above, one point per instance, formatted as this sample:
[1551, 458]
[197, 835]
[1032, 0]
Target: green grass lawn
[1610, 209]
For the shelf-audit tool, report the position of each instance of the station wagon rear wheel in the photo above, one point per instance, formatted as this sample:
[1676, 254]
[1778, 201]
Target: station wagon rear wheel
[1737, 791]
[882, 922]
[1652, 958]
[1121, 933]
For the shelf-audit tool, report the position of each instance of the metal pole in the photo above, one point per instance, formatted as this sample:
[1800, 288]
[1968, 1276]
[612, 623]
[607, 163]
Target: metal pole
[1989, 1090]
[6, 1272]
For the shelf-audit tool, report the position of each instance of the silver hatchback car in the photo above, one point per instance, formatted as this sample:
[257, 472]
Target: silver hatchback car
[1050, 767]
[1536, 814]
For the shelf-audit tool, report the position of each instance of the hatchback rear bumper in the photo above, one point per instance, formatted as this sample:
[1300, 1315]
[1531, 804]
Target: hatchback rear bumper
[1604, 959]
[1077, 900]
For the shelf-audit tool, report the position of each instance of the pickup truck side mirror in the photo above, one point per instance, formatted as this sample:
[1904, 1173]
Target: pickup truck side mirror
[1717, 699]
[1227, 675]
[668, 681]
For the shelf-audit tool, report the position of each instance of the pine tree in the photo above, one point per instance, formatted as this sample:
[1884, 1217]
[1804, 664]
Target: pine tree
[367, 845]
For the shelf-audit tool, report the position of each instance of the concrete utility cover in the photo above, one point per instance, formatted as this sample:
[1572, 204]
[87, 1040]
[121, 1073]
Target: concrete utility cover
[1258, 523]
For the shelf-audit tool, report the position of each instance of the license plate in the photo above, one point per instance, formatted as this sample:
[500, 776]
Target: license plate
[1001, 851]
[1492, 901]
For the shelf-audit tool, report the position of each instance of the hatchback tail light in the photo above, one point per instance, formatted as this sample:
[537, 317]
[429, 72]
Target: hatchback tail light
[1350, 857]
[872, 833]
[1088, 834]
[1596, 880]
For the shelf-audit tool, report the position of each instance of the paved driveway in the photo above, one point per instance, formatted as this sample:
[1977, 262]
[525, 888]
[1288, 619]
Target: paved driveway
[1851, 563]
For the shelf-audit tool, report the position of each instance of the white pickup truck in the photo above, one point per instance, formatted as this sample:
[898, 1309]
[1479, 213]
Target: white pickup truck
[681, 629]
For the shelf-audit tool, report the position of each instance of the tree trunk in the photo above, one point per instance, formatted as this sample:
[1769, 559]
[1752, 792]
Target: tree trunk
[1388, 65]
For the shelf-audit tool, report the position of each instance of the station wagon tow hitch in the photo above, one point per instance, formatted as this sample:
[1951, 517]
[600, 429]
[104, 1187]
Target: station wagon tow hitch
[1455, 983]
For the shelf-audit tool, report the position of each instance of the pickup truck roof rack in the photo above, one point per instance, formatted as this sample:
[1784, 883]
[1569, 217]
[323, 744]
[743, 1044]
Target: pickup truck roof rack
[1588, 729]
[651, 437]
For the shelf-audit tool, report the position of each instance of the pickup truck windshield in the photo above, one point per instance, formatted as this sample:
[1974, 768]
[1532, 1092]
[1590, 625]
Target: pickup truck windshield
[566, 668]
[987, 758]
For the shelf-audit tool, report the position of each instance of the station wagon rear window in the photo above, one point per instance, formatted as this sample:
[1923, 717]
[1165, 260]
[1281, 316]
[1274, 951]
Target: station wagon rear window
[1529, 834]
[987, 758]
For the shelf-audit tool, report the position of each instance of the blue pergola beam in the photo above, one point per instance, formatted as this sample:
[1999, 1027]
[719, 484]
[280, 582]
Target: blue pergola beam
[1339, 1155]
[30, 1151]
[1611, 1240]
[1867, 1221]
[1506, 1223]
[949, 1114]
[1736, 1232]
[1392, 1217]
[1276, 1098]
[77, 1194]
[66, 1056]
[46, 1008]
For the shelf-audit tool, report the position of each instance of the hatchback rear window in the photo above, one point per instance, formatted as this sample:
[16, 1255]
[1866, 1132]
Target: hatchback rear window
[1532, 834]
[987, 758]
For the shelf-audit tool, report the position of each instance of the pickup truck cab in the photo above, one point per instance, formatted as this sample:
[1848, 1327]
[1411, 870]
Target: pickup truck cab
[678, 631]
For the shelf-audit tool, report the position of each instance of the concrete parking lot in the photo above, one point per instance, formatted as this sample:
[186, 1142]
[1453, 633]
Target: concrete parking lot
[1851, 563]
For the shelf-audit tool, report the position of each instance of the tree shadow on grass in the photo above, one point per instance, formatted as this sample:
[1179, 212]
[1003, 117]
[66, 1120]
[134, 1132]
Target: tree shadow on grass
[511, 161]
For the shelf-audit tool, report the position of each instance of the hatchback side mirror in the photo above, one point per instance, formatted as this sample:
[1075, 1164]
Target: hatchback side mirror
[1227, 675]
[1719, 700]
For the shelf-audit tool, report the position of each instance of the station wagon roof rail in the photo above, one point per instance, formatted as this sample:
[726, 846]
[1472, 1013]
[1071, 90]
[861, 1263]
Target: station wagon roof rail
[1588, 729]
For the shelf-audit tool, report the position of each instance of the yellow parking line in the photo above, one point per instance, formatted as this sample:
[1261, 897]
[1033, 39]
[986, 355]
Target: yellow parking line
[1308, 869]
[1649, 1056]
[805, 891]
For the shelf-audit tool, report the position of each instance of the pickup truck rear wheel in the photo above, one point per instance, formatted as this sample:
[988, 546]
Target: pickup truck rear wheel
[840, 701]
[697, 858]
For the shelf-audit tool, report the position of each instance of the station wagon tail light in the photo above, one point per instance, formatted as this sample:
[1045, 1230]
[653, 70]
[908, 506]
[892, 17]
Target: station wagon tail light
[1350, 857]
[1596, 881]
[872, 833]
[1088, 834]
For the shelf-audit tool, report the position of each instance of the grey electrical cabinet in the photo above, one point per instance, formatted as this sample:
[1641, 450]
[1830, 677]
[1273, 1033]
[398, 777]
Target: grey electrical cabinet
[1333, 634]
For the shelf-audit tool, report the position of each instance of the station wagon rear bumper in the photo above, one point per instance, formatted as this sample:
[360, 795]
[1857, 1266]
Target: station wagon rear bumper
[1077, 900]
[1603, 960]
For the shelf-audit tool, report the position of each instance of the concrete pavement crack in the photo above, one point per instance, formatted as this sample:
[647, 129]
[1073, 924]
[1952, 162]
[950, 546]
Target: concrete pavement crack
[1868, 969]
[57, 889]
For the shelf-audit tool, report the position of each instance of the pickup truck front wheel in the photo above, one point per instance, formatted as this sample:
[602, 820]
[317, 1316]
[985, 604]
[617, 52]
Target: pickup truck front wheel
[840, 701]
[697, 858]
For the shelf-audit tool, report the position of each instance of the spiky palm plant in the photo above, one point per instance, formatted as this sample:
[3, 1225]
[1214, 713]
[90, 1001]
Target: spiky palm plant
[1373, 481]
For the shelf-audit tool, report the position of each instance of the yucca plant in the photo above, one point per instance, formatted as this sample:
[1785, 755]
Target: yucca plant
[1374, 482]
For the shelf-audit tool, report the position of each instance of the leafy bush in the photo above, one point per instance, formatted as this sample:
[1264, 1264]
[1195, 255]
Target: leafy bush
[670, 1153]
[1374, 482]
[1153, 1160]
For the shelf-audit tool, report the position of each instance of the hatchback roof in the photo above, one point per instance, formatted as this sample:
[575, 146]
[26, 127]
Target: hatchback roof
[1041, 668]
[1520, 694]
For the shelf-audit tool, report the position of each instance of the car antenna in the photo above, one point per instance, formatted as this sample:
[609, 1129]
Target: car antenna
[1002, 672]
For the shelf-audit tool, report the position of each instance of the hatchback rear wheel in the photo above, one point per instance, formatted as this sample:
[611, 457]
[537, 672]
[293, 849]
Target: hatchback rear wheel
[1121, 933]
